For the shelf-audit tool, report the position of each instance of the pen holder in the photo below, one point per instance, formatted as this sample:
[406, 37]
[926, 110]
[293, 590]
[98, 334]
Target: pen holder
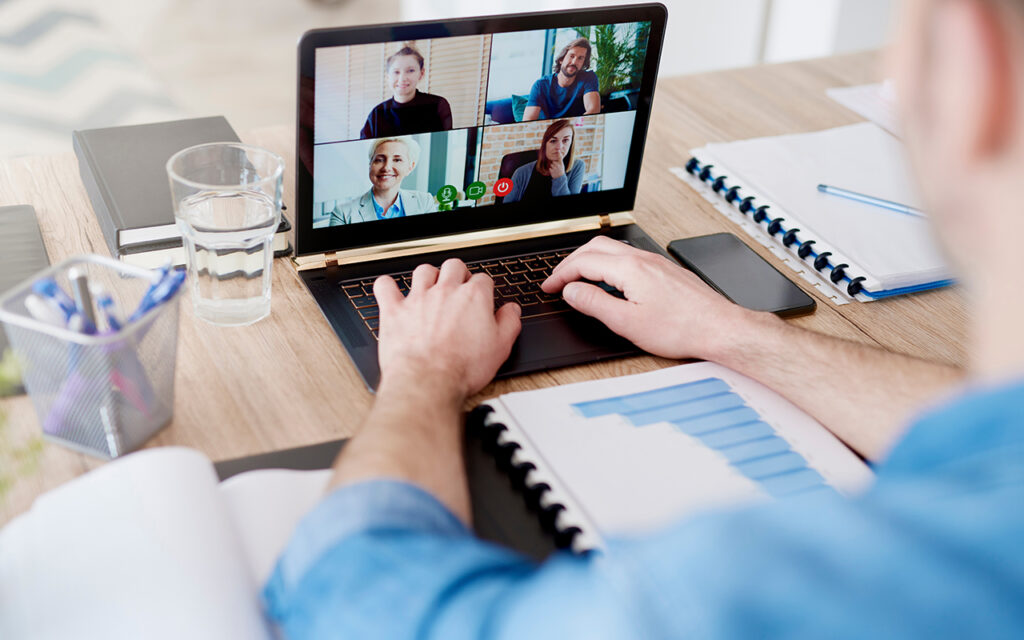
[104, 394]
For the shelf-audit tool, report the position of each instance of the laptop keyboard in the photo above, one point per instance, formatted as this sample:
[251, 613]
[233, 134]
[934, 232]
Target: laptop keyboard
[516, 279]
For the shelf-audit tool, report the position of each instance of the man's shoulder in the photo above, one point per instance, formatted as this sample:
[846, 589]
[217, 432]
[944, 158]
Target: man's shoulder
[588, 77]
[544, 82]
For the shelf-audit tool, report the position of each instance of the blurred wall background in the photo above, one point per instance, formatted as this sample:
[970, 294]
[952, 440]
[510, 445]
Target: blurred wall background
[72, 64]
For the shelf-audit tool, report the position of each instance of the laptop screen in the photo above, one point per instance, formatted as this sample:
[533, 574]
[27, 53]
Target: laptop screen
[419, 130]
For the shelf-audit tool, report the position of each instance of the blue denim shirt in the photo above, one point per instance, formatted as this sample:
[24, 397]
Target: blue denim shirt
[934, 548]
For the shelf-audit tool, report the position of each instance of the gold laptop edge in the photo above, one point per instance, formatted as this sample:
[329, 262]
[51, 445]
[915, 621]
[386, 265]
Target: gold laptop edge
[461, 241]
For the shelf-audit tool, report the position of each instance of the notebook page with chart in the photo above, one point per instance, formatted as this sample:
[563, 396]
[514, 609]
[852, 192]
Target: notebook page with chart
[629, 455]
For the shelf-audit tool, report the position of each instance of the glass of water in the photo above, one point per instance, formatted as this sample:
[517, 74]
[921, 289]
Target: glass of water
[227, 203]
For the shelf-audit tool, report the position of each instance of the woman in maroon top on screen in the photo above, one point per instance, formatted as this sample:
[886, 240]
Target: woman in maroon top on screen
[408, 110]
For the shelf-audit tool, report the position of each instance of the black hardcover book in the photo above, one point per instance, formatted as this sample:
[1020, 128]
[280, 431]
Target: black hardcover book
[124, 172]
[22, 253]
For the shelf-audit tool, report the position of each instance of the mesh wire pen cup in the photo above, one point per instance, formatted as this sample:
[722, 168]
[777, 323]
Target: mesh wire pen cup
[102, 394]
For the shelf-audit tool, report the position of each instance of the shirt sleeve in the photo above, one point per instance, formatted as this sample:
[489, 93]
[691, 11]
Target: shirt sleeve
[367, 131]
[444, 112]
[536, 97]
[590, 83]
[386, 560]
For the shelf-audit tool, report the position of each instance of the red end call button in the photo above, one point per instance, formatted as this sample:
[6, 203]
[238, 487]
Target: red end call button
[503, 187]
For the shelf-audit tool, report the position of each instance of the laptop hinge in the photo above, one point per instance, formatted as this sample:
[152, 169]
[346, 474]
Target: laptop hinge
[461, 241]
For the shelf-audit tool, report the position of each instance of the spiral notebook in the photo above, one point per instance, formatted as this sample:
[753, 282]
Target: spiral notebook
[848, 250]
[625, 456]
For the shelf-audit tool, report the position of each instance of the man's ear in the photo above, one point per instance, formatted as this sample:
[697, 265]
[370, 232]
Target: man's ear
[972, 67]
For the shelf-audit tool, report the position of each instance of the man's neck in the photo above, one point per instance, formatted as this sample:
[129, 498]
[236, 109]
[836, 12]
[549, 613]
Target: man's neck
[996, 332]
[565, 81]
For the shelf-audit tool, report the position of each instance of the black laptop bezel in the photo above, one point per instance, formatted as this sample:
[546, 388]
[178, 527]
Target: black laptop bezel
[313, 241]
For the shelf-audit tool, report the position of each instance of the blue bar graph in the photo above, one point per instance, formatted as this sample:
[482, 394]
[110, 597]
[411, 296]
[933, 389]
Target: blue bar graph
[712, 412]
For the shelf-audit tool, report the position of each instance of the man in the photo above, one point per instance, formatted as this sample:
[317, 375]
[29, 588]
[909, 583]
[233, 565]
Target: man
[391, 160]
[570, 91]
[932, 549]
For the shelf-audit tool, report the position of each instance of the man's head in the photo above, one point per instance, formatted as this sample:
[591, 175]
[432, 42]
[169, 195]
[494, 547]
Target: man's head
[959, 68]
[391, 159]
[573, 58]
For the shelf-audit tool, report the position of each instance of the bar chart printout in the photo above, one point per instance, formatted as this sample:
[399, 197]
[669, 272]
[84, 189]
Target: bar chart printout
[710, 411]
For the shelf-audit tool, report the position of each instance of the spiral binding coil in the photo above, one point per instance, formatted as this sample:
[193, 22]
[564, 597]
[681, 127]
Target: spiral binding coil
[774, 226]
[537, 495]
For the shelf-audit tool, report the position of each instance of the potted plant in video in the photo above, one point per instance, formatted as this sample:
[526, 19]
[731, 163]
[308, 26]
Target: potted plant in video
[618, 56]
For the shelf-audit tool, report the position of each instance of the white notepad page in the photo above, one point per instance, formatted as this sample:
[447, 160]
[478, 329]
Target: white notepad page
[891, 249]
[616, 478]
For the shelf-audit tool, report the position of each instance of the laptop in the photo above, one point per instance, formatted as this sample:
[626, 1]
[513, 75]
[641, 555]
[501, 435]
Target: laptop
[505, 141]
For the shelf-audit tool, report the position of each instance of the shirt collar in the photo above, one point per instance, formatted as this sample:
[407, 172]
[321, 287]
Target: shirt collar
[396, 210]
[978, 420]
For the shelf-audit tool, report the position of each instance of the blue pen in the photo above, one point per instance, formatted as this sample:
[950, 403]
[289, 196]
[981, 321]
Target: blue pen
[871, 200]
[106, 306]
[163, 291]
[53, 294]
[146, 301]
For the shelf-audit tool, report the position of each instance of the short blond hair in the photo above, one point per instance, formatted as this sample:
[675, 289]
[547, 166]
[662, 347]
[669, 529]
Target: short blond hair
[410, 144]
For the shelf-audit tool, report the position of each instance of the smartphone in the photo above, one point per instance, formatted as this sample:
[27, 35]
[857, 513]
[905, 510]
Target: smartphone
[733, 269]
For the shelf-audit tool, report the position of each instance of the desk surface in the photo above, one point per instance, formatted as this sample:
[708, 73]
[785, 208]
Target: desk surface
[287, 381]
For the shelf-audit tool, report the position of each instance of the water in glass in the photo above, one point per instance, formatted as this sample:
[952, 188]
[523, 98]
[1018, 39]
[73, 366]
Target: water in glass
[229, 236]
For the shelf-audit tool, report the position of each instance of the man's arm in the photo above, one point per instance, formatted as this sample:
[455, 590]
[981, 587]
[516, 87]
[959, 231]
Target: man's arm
[531, 113]
[533, 102]
[430, 363]
[863, 394]
[592, 103]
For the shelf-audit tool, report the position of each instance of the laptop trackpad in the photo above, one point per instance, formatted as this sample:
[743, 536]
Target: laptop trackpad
[545, 342]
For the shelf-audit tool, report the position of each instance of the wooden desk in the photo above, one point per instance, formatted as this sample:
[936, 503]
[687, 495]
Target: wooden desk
[287, 381]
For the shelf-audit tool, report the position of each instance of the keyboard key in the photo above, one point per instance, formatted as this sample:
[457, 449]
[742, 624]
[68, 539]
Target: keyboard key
[516, 267]
[506, 291]
[536, 265]
[527, 299]
[368, 312]
[537, 276]
[373, 323]
[364, 301]
[515, 278]
[352, 289]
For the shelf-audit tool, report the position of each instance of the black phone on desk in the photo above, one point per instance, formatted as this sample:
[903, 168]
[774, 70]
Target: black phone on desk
[736, 271]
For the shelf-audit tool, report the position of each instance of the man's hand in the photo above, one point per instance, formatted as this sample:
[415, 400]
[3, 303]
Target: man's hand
[668, 311]
[445, 331]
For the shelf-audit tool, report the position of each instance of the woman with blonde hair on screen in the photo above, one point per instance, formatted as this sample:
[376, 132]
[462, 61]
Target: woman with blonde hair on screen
[391, 160]
[555, 173]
